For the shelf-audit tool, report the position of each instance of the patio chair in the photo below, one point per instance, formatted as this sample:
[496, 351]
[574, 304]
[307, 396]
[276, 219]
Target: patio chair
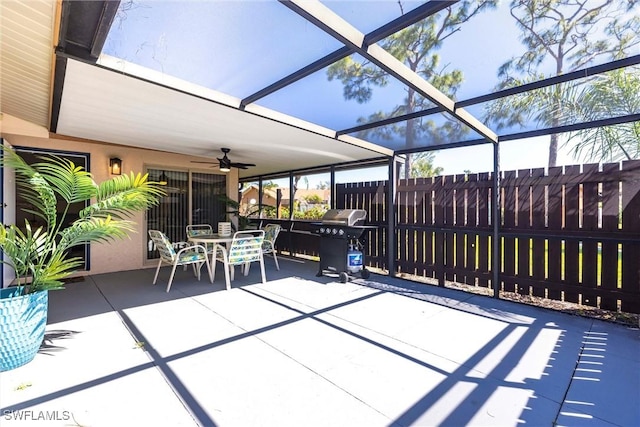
[245, 248]
[271, 232]
[196, 255]
[199, 230]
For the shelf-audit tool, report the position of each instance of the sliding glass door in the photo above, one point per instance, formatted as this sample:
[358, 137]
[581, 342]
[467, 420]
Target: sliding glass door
[192, 198]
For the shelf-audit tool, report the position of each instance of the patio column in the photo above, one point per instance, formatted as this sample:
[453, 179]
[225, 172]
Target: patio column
[496, 218]
[391, 216]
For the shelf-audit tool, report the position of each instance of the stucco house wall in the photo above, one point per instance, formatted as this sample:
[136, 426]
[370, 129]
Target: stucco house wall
[128, 254]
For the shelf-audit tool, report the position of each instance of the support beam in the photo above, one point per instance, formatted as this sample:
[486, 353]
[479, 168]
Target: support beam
[496, 218]
[325, 19]
[415, 15]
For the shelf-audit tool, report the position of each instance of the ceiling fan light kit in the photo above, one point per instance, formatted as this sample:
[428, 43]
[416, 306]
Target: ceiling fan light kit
[226, 164]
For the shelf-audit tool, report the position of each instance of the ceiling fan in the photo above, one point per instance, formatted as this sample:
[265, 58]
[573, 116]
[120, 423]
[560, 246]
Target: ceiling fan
[225, 163]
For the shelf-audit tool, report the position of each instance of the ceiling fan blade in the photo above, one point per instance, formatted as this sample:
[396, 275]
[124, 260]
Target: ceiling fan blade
[241, 165]
[224, 162]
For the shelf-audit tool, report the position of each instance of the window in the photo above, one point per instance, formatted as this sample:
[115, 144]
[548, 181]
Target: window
[192, 198]
[312, 197]
[275, 198]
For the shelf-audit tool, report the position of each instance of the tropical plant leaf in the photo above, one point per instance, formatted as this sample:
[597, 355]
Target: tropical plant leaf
[40, 256]
[49, 276]
[120, 196]
[94, 230]
[34, 187]
[72, 183]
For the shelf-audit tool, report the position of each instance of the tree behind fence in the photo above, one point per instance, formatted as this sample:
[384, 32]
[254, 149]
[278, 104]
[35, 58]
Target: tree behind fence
[570, 234]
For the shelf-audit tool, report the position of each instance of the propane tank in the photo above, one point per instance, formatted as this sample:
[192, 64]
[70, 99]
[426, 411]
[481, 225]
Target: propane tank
[354, 260]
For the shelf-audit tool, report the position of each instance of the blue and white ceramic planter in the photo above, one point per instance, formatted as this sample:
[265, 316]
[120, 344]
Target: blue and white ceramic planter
[23, 319]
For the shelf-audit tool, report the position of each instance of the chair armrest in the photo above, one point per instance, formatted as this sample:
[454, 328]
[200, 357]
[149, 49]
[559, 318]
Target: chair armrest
[192, 247]
[180, 245]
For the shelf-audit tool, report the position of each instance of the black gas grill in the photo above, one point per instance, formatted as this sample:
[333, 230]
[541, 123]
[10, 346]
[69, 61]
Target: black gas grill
[341, 243]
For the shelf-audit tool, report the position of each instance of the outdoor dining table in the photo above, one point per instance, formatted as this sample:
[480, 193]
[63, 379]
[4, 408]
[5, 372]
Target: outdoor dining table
[210, 241]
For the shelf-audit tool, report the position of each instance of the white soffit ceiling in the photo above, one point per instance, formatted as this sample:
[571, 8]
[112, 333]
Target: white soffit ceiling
[26, 57]
[105, 105]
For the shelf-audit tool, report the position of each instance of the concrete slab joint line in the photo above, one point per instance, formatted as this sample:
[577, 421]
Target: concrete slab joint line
[307, 350]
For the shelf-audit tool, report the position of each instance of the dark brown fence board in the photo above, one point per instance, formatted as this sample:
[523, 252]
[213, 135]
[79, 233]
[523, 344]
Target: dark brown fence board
[420, 234]
[631, 224]
[590, 248]
[377, 238]
[429, 235]
[449, 212]
[523, 225]
[555, 223]
[402, 234]
[509, 264]
[572, 223]
[610, 221]
[412, 236]
[459, 220]
[374, 240]
[439, 220]
[460, 259]
[509, 208]
[631, 276]
[538, 214]
[471, 242]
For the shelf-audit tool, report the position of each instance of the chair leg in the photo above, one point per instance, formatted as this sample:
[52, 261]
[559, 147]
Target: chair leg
[206, 261]
[275, 258]
[225, 267]
[155, 279]
[197, 267]
[173, 272]
[226, 274]
[264, 276]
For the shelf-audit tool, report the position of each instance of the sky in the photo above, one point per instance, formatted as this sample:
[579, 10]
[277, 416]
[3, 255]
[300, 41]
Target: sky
[524, 154]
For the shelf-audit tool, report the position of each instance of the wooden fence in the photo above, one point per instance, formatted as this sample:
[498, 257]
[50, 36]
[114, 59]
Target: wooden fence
[570, 234]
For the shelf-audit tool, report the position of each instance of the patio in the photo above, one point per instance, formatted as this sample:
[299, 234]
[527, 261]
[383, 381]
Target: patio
[303, 350]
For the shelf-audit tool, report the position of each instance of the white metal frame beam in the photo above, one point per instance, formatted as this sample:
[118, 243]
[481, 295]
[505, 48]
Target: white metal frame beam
[325, 19]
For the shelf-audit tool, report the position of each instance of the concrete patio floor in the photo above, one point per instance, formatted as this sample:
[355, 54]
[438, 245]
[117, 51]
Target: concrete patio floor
[308, 351]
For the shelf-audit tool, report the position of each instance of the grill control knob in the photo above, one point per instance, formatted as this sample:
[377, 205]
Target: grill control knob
[341, 232]
[321, 230]
[334, 231]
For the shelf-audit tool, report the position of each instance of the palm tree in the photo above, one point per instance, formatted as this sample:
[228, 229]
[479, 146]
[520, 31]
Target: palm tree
[41, 256]
[613, 94]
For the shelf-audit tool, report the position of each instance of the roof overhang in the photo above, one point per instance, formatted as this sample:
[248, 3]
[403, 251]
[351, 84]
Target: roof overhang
[105, 105]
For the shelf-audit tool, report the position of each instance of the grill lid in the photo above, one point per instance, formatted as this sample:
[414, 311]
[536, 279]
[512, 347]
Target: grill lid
[345, 217]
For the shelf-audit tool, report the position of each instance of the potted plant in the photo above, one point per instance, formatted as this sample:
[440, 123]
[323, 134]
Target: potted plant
[40, 256]
[244, 215]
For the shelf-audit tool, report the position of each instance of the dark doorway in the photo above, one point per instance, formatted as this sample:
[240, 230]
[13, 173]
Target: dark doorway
[31, 155]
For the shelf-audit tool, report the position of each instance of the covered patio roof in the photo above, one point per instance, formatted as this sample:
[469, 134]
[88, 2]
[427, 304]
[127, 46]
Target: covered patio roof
[266, 80]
